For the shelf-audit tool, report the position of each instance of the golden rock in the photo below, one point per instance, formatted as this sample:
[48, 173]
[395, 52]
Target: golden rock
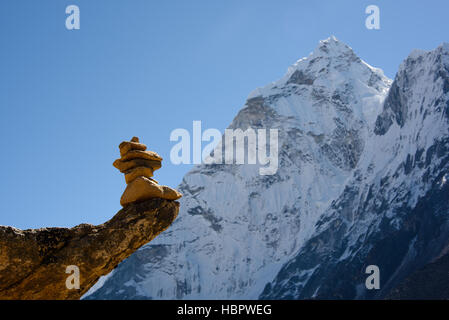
[141, 189]
[124, 166]
[139, 154]
[134, 173]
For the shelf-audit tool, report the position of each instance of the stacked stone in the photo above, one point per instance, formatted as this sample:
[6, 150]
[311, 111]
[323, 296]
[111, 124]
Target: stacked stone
[138, 166]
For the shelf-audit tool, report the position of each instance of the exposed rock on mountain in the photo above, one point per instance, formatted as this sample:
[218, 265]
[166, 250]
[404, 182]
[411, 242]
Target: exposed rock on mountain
[428, 283]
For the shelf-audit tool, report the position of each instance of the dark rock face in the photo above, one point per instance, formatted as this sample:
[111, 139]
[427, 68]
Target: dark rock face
[298, 77]
[344, 148]
[395, 109]
[319, 272]
[429, 283]
[33, 262]
[396, 106]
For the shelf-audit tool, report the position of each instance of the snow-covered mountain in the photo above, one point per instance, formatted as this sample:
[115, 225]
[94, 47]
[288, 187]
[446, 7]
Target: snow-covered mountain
[394, 210]
[358, 158]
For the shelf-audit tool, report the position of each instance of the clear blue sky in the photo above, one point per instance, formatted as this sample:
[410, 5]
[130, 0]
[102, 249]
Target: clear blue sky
[143, 68]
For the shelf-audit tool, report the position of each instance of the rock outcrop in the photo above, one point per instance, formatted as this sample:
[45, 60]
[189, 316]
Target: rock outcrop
[33, 262]
[138, 166]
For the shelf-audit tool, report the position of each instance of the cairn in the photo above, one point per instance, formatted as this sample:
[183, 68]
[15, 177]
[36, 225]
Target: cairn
[138, 165]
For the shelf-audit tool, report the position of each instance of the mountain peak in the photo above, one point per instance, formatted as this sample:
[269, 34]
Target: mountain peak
[331, 47]
[438, 55]
[330, 54]
[444, 46]
[332, 64]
